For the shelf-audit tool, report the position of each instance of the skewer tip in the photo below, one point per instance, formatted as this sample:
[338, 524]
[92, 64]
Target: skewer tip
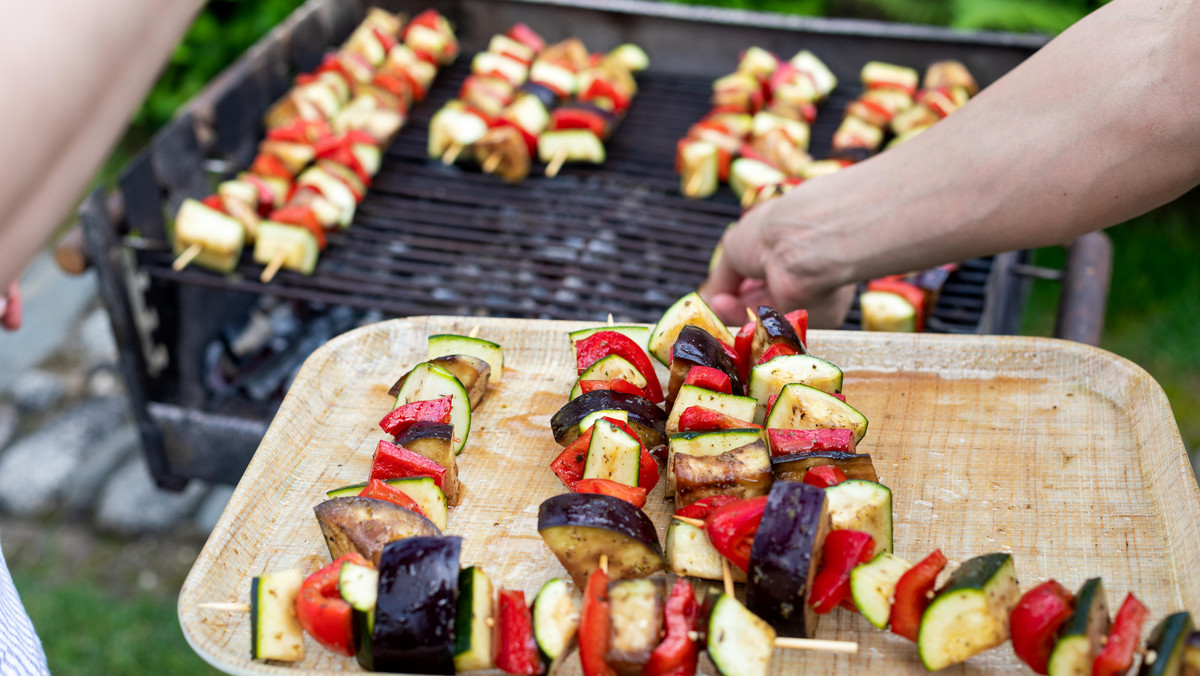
[604, 563]
[751, 314]
[185, 259]
[727, 576]
[556, 164]
[273, 268]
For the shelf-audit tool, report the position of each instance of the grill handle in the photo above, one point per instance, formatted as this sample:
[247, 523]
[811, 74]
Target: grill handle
[1084, 298]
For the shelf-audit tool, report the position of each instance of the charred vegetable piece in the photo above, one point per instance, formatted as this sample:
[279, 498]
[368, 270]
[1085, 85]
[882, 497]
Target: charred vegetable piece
[275, 632]
[704, 444]
[800, 407]
[1191, 654]
[472, 635]
[1168, 643]
[772, 328]
[733, 405]
[970, 613]
[364, 525]
[472, 372]
[612, 367]
[768, 379]
[689, 553]
[689, 310]
[1079, 639]
[414, 614]
[739, 642]
[645, 418]
[864, 506]
[743, 472]
[579, 527]
[435, 442]
[635, 623]
[697, 347]
[1035, 622]
[555, 618]
[430, 381]
[793, 467]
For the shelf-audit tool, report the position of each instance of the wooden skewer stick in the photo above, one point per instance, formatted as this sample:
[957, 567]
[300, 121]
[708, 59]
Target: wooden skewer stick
[452, 153]
[610, 319]
[693, 184]
[604, 563]
[727, 575]
[474, 332]
[491, 162]
[748, 197]
[698, 523]
[816, 644]
[751, 314]
[556, 164]
[228, 607]
[273, 267]
[189, 254]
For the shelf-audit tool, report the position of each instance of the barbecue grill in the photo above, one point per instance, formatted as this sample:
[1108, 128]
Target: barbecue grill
[432, 239]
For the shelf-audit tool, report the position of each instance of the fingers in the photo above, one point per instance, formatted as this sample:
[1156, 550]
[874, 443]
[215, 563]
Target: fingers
[10, 313]
[830, 311]
[741, 258]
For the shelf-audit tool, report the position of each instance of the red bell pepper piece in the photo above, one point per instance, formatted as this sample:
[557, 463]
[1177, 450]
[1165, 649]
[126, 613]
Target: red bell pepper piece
[799, 321]
[678, 653]
[912, 595]
[531, 141]
[700, 419]
[593, 626]
[579, 118]
[776, 350]
[569, 464]
[731, 529]
[269, 165]
[384, 39]
[603, 89]
[304, 218]
[527, 36]
[787, 442]
[1035, 622]
[381, 490]
[393, 462]
[402, 417]
[1117, 655]
[605, 343]
[741, 346]
[616, 385]
[301, 130]
[428, 19]
[322, 611]
[214, 202]
[709, 378]
[330, 63]
[824, 476]
[909, 292]
[701, 508]
[634, 495]
[516, 649]
[844, 549]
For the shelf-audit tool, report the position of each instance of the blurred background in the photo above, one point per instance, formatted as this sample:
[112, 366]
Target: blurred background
[99, 553]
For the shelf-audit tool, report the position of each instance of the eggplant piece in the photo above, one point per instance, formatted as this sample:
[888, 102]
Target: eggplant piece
[648, 420]
[543, 93]
[773, 328]
[1191, 654]
[854, 155]
[579, 527]
[434, 441]
[367, 525]
[793, 467]
[743, 472]
[697, 347]
[635, 624]
[785, 556]
[472, 372]
[414, 614]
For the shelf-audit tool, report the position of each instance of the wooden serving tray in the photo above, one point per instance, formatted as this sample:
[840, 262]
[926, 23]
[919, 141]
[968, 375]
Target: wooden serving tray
[1065, 455]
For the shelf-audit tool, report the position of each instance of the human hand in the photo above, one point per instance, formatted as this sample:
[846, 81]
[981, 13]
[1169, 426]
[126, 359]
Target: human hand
[10, 308]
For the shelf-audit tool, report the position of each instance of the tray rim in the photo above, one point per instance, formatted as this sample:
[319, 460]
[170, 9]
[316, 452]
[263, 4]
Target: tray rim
[1158, 404]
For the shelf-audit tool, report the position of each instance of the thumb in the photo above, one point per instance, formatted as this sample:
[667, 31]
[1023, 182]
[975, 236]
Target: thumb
[738, 258]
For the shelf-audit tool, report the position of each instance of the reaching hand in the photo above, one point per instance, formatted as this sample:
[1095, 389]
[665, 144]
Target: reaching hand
[10, 309]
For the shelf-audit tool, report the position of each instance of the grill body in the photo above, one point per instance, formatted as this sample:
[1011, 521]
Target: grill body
[430, 239]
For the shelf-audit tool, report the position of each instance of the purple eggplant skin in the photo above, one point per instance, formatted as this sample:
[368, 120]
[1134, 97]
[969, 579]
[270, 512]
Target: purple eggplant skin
[543, 93]
[854, 155]
[425, 429]
[414, 614]
[785, 556]
[793, 466]
[579, 527]
[648, 420]
[778, 329]
[697, 347]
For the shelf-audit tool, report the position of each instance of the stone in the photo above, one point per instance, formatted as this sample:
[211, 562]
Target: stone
[34, 470]
[98, 464]
[130, 503]
[212, 507]
[104, 382]
[9, 420]
[37, 391]
[96, 340]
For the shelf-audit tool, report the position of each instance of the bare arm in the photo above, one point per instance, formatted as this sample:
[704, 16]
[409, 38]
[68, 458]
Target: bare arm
[76, 72]
[1099, 126]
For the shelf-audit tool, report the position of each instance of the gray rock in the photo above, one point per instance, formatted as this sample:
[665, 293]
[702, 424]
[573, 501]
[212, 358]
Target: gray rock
[37, 391]
[9, 420]
[35, 468]
[104, 382]
[212, 507]
[130, 503]
[99, 462]
[96, 338]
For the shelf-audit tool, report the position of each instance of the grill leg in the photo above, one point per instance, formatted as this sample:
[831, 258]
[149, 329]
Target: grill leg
[1082, 305]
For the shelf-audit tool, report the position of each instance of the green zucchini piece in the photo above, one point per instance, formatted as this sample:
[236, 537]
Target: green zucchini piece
[864, 506]
[970, 614]
[739, 642]
[872, 585]
[608, 368]
[422, 489]
[800, 407]
[741, 408]
[445, 344]
[591, 418]
[1167, 645]
[768, 379]
[427, 381]
[1080, 637]
[691, 309]
[635, 624]
[701, 444]
[613, 455]
[690, 554]
[886, 311]
[358, 585]
[275, 632]
[472, 635]
[555, 618]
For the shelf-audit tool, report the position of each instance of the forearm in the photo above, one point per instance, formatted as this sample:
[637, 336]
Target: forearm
[64, 114]
[1101, 125]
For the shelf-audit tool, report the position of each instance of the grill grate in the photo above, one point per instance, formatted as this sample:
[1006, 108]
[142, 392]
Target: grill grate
[619, 238]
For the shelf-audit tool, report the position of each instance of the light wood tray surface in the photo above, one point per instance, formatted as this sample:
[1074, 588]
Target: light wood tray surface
[1065, 455]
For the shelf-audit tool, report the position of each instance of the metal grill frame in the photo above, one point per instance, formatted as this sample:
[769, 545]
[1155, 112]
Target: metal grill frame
[163, 320]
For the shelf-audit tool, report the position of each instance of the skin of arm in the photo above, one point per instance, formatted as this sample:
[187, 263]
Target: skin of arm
[77, 70]
[1100, 125]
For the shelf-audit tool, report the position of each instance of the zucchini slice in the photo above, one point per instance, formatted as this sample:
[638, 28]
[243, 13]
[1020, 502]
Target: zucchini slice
[422, 489]
[613, 455]
[769, 378]
[690, 554]
[638, 334]
[872, 585]
[472, 372]
[700, 444]
[689, 310]
[863, 506]
[472, 635]
[275, 632]
[427, 381]
[970, 613]
[1167, 643]
[1080, 637]
[801, 407]
[739, 642]
[445, 344]
[608, 368]
[591, 418]
[358, 585]
[885, 311]
[555, 618]
[741, 408]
